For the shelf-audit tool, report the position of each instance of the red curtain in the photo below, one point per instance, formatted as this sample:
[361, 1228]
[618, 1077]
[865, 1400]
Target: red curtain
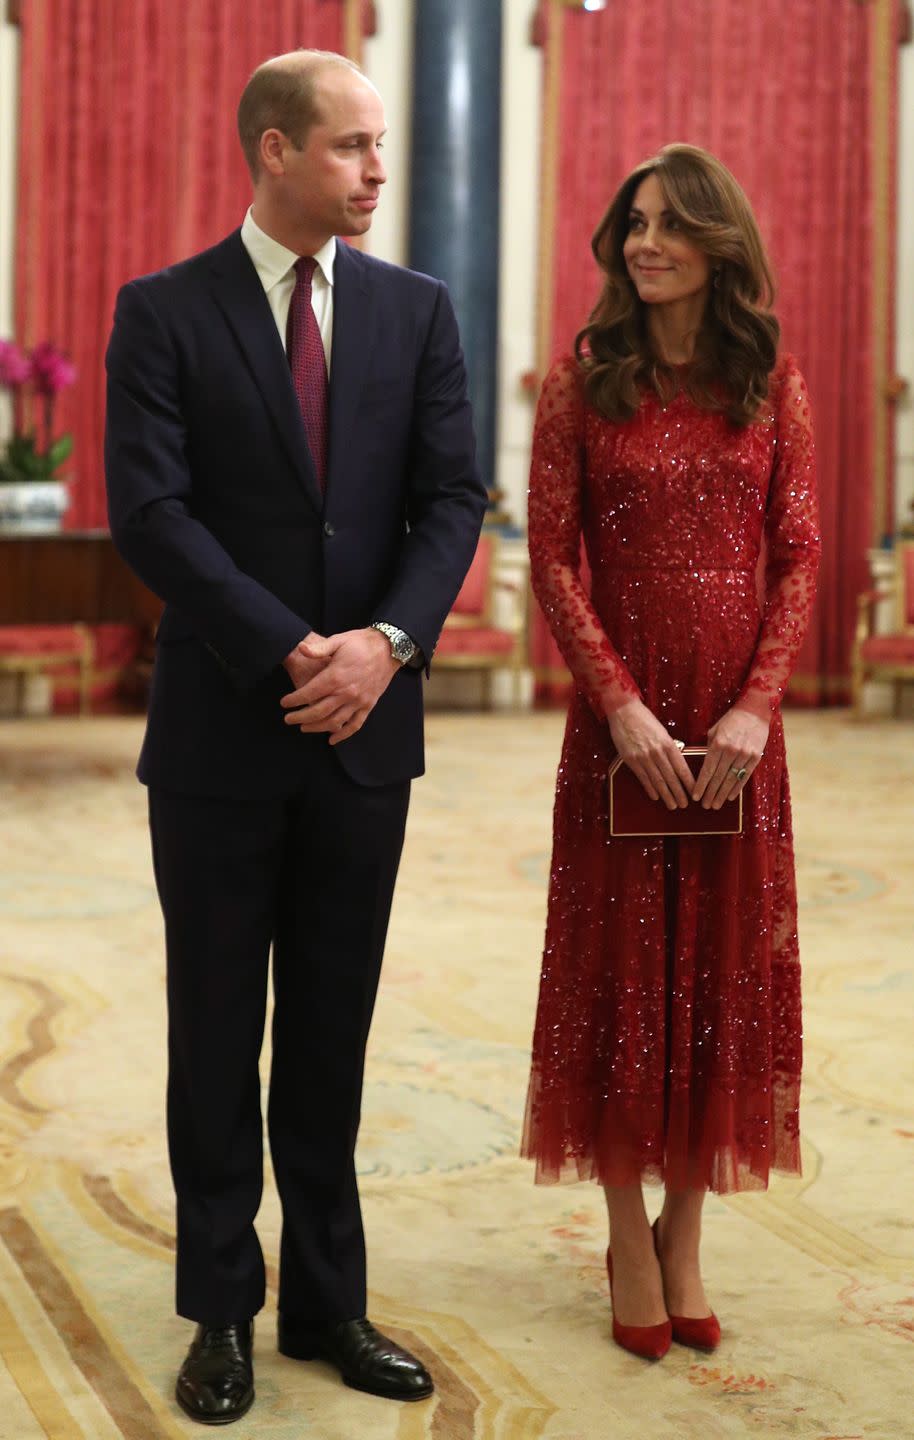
[782, 92]
[129, 160]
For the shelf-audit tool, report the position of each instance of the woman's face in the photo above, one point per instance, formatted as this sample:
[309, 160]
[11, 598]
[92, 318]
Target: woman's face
[664, 266]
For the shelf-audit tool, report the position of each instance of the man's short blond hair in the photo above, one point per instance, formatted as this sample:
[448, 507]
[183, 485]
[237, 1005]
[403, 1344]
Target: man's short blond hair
[282, 95]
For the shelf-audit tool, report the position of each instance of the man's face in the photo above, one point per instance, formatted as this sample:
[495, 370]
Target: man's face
[331, 186]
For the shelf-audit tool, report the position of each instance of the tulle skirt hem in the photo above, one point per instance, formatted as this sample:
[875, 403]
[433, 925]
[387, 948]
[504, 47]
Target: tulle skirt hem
[706, 1137]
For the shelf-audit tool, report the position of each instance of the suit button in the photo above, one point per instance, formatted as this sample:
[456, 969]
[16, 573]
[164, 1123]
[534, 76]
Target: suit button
[328, 529]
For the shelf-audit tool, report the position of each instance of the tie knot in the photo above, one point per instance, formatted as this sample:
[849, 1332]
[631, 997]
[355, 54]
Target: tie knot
[304, 268]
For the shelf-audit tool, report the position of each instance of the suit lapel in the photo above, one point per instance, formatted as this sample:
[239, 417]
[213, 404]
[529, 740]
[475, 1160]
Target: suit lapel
[353, 338]
[240, 296]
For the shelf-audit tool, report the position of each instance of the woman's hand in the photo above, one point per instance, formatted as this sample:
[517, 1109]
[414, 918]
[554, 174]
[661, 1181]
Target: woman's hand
[735, 746]
[650, 750]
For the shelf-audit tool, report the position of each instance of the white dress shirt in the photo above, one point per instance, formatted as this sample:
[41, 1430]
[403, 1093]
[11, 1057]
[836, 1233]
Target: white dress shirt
[275, 267]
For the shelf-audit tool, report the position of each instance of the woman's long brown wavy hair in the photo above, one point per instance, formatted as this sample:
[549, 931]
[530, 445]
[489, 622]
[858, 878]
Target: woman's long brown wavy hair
[736, 348]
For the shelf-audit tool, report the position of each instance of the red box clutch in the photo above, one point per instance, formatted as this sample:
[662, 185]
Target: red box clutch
[633, 812]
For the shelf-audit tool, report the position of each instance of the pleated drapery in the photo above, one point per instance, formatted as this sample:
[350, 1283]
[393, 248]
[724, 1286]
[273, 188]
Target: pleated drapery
[785, 93]
[129, 160]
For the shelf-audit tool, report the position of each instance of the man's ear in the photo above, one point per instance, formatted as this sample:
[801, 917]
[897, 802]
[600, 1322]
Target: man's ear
[272, 144]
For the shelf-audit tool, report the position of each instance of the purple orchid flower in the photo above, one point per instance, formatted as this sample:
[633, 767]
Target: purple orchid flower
[15, 365]
[52, 370]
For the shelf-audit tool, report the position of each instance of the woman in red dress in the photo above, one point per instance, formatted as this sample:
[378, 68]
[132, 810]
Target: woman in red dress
[676, 439]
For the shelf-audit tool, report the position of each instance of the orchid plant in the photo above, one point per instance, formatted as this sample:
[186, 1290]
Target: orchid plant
[48, 370]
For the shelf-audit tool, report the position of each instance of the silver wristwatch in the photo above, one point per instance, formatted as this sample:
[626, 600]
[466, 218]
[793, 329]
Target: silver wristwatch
[401, 646]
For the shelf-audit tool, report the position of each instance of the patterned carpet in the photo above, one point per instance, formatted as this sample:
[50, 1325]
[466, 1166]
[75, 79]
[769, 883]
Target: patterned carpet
[499, 1283]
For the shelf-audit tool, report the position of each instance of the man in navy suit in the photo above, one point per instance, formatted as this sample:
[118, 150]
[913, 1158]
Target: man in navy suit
[291, 467]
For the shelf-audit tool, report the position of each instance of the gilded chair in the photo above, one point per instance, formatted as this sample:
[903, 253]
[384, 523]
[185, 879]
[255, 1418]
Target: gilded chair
[471, 639]
[886, 657]
[30, 649]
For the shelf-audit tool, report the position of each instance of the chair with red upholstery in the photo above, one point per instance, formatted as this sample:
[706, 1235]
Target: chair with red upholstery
[886, 657]
[26, 649]
[471, 639]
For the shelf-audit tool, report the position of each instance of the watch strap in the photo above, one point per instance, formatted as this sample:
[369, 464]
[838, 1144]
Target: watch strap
[402, 646]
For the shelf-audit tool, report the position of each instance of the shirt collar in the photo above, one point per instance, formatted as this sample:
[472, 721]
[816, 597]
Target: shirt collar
[273, 261]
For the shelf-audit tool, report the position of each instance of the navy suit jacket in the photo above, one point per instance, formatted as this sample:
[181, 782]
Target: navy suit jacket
[214, 502]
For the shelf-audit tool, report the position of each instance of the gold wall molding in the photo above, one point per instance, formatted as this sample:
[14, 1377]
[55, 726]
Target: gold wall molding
[354, 30]
[549, 20]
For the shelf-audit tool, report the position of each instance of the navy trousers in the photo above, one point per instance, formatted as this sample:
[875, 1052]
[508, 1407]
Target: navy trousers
[311, 875]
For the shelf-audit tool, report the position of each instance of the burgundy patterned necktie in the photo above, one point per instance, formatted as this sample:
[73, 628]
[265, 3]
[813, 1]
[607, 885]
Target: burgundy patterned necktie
[308, 364]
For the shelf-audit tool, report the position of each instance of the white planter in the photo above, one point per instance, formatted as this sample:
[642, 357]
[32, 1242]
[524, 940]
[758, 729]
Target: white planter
[36, 506]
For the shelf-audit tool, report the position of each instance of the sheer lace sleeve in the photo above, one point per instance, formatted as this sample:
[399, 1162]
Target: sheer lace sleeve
[554, 519]
[792, 534]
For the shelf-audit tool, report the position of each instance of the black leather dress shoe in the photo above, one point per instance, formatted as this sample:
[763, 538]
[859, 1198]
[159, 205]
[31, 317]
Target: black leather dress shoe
[216, 1382]
[365, 1358]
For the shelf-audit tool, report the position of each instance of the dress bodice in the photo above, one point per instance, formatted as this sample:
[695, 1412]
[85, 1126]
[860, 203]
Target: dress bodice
[675, 488]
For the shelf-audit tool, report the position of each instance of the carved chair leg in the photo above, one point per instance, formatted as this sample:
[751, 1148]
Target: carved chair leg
[85, 673]
[86, 658]
[857, 691]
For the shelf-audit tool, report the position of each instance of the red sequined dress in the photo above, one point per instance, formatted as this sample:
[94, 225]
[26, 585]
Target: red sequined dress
[668, 1036]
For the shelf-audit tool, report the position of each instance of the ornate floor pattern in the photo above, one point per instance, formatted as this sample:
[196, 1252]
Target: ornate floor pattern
[498, 1284]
